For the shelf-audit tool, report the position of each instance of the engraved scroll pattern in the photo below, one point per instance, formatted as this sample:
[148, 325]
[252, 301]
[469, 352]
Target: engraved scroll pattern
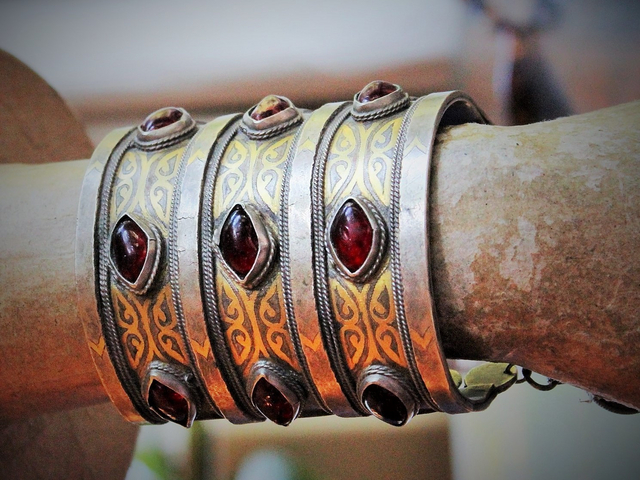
[144, 186]
[359, 165]
[254, 321]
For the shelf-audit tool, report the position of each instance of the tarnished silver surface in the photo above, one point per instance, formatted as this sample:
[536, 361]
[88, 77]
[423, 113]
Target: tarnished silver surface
[413, 241]
[243, 411]
[318, 333]
[326, 318]
[86, 275]
[188, 276]
[300, 245]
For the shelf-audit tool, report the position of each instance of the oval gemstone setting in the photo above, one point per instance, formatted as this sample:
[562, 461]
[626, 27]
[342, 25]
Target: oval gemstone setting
[271, 116]
[168, 402]
[385, 405]
[351, 236]
[164, 127]
[239, 242]
[272, 403]
[134, 252]
[161, 118]
[268, 107]
[356, 237]
[245, 246]
[378, 99]
[129, 248]
[375, 90]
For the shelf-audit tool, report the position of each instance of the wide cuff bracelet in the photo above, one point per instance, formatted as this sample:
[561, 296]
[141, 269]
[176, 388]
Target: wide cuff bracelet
[272, 265]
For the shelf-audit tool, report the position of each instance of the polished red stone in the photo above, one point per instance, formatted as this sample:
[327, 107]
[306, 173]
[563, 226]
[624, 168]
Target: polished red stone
[161, 119]
[376, 89]
[272, 403]
[385, 405]
[167, 401]
[351, 235]
[268, 106]
[239, 242]
[129, 246]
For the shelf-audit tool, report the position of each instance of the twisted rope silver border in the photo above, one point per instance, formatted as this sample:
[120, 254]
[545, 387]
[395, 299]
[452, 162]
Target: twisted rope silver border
[169, 141]
[285, 272]
[129, 382]
[255, 134]
[173, 269]
[320, 263]
[396, 275]
[207, 255]
[383, 112]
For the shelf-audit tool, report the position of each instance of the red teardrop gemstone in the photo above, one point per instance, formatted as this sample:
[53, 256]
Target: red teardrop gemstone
[168, 402]
[161, 118]
[239, 241]
[385, 405]
[272, 403]
[129, 248]
[374, 90]
[351, 235]
[269, 106]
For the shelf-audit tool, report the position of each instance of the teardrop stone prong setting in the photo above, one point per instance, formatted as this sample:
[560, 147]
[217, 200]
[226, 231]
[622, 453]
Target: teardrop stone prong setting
[272, 403]
[384, 405]
[275, 392]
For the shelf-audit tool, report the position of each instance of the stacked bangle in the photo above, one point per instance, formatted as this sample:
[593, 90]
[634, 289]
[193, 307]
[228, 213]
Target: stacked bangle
[271, 265]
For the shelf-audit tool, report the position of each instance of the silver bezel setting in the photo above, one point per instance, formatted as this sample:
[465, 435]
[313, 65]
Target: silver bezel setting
[266, 248]
[378, 244]
[174, 379]
[387, 379]
[284, 381]
[273, 125]
[380, 107]
[165, 136]
[151, 261]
